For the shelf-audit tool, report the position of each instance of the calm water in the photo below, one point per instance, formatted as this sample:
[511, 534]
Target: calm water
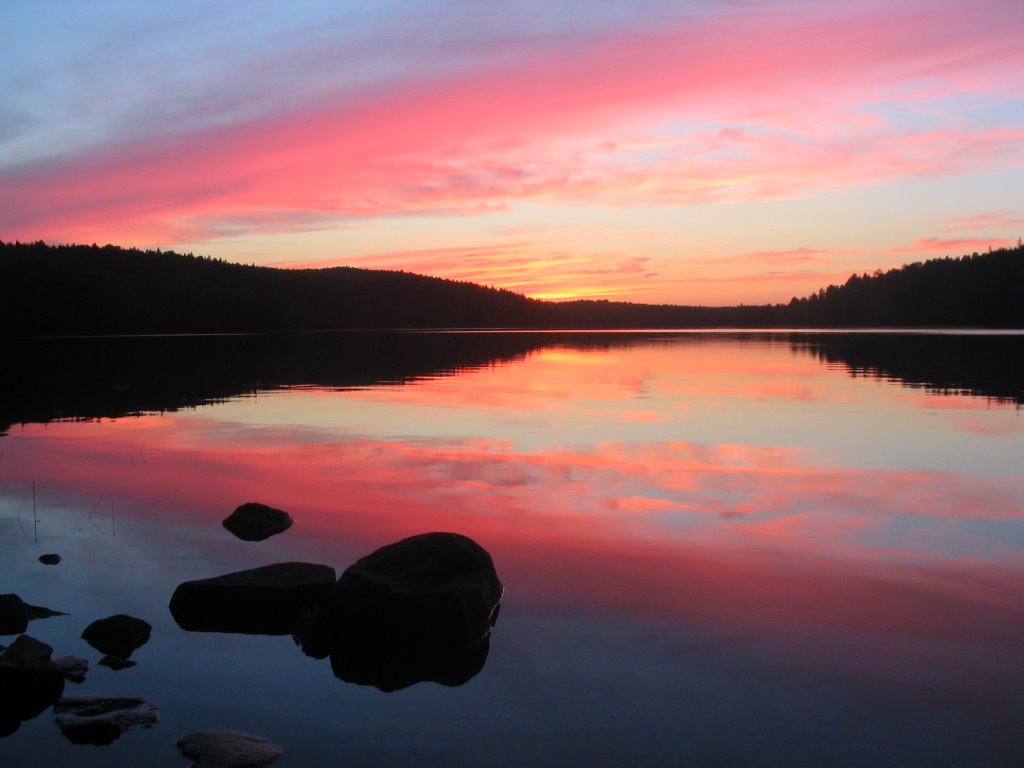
[718, 549]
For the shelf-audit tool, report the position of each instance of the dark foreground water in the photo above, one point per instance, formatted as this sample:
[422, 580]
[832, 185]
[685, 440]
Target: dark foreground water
[718, 549]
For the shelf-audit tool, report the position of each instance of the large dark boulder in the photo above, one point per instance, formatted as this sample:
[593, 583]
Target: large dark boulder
[256, 522]
[13, 615]
[29, 682]
[260, 601]
[419, 609]
[117, 635]
[435, 589]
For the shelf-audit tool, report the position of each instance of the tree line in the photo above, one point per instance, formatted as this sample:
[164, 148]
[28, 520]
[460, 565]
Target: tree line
[54, 290]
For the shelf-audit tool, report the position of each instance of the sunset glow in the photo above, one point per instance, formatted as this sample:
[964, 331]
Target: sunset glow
[686, 151]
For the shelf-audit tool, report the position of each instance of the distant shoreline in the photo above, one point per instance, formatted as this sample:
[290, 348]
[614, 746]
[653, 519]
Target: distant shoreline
[82, 290]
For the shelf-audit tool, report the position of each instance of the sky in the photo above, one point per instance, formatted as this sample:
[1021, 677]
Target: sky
[669, 151]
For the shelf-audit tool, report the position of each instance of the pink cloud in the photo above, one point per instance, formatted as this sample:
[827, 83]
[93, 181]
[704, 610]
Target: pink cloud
[952, 246]
[988, 220]
[547, 127]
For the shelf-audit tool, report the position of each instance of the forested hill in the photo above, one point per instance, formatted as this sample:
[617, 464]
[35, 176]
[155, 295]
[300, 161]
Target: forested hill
[82, 290]
[79, 289]
[980, 290]
[90, 290]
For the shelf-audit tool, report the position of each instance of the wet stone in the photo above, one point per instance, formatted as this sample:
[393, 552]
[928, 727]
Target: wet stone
[100, 720]
[228, 749]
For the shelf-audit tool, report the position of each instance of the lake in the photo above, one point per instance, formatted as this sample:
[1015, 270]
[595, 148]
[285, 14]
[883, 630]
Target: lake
[718, 548]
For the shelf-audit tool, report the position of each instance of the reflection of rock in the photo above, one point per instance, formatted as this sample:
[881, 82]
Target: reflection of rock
[399, 668]
[29, 682]
[49, 559]
[117, 635]
[419, 609]
[15, 614]
[116, 662]
[228, 749]
[74, 668]
[100, 720]
[268, 600]
[256, 522]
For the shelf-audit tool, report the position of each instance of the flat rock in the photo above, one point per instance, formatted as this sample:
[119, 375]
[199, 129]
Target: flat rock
[256, 522]
[49, 559]
[100, 720]
[96, 706]
[228, 749]
[117, 635]
[268, 600]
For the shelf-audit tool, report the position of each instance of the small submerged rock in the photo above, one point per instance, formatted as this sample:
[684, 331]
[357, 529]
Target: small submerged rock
[256, 522]
[100, 720]
[74, 668]
[260, 601]
[228, 749]
[117, 635]
[49, 559]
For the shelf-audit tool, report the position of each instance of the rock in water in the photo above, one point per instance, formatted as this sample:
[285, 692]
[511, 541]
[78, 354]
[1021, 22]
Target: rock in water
[432, 590]
[264, 601]
[256, 522]
[100, 720]
[419, 609]
[117, 635]
[15, 614]
[29, 682]
[228, 749]
[49, 559]
[74, 668]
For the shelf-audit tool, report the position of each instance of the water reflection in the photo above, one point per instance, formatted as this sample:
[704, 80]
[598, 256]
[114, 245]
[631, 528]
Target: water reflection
[812, 556]
[109, 377]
